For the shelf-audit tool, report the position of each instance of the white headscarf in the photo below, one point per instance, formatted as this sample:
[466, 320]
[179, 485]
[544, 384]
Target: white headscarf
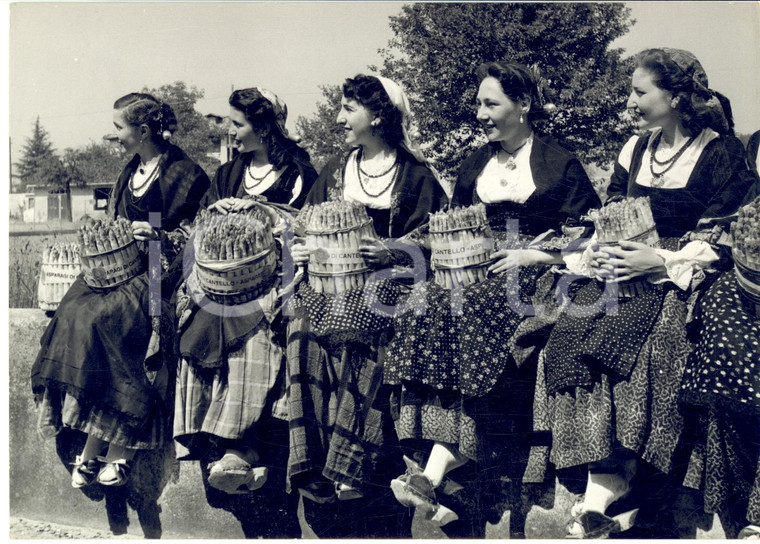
[399, 99]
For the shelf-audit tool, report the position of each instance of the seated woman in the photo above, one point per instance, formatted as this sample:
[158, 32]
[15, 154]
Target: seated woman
[231, 376]
[457, 367]
[96, 371]
[719, 391]
[338, 407]
[613, 377]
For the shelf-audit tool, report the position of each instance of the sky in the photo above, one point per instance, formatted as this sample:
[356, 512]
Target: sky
[68, 62]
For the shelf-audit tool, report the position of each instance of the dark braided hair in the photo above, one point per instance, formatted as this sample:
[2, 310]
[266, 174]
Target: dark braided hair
[145, 109]
[370, 93]
[259, 112]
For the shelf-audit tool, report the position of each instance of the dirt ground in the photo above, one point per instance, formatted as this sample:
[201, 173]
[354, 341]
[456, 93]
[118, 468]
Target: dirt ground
[26, 529]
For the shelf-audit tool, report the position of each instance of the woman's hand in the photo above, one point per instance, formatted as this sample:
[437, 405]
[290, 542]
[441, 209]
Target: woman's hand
[299, 252]
[513, 258]
[627, 261]
[230, 204]
[375, 253]
[141, 230]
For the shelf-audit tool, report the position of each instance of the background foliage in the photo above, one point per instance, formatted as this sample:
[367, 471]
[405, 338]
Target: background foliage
[437, 47]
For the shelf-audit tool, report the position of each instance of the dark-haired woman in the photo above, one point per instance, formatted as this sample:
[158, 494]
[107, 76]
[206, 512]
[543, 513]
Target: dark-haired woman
[613, 376]
[339, 417]
[232, 374]
[103, 348]
[459, 368]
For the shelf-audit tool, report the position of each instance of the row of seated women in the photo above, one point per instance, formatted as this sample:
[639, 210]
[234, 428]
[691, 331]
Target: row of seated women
[615, 359]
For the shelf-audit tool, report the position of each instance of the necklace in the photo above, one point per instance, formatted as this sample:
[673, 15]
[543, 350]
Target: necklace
[148, 180]
[511, 163]
[257, 181]
[360, 172]
[381, 174]
[659, 177]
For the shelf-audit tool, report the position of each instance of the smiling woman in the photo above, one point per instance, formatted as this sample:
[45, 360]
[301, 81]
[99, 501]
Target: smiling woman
[335, 344]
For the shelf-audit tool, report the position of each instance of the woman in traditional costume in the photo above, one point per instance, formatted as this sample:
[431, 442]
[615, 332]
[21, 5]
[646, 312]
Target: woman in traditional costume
[101, 360]
[613, 370]
[455, 356]
[338, 405]
[232, 376]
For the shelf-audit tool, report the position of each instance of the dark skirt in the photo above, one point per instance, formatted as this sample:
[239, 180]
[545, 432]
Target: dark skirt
[97, 365]
[338, 408]
[638, 412]
[458, 362]
[722, 385]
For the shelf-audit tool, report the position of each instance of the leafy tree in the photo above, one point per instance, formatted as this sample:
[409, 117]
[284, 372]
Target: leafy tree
[195, 135]
[37, 159]
[321, 135]
[94, 163]
[438, 46]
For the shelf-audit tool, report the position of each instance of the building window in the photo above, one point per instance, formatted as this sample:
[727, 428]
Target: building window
[101, 195]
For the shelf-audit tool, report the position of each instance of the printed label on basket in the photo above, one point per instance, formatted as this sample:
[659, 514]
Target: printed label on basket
[338, 256]
[107, 271]
[247, 277]
[50, 273]
[447, 251]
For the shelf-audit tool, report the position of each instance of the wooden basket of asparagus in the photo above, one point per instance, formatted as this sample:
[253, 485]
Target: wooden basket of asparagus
[59, 269]
[746, 250]
[108, 252]
[235, 257]
[334, 232]
[461, 244]
[628, 219]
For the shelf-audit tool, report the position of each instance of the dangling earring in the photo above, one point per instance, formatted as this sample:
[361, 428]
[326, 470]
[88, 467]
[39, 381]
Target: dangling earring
[674, 102]
[522, 118]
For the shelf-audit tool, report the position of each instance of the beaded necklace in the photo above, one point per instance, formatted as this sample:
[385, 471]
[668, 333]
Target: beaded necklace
[361, 172]
[659, 177]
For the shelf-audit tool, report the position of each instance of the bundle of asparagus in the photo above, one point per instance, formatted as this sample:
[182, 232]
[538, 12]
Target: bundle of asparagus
[235, 257]
[334, 233]
[461, 243]
[108, 253]
[746, 235]
[232, 237]
[628, 219]
[58, 271]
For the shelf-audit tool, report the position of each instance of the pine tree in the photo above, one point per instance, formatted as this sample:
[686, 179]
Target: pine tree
[38, 156]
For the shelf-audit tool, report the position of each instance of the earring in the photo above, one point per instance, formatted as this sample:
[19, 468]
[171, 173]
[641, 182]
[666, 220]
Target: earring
[674, 102]
[375, 122]
[522, 118]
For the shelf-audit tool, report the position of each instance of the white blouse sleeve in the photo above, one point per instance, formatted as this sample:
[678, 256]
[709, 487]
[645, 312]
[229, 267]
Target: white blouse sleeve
[681, 265]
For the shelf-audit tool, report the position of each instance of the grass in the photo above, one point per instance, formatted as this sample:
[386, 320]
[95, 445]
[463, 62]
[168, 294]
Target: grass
[25, 255]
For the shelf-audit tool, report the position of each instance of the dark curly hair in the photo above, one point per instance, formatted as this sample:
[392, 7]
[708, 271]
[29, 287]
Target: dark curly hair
[692, 107]
[146, 109]
[370, 93]
[259, 112]
[517, 82]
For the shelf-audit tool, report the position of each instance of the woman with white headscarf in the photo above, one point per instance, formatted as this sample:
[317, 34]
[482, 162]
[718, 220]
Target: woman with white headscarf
[333, 456]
